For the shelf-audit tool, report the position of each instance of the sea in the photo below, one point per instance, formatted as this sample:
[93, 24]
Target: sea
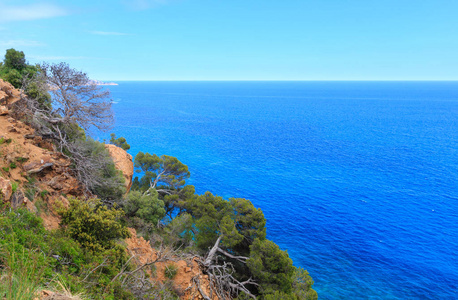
[358, 181]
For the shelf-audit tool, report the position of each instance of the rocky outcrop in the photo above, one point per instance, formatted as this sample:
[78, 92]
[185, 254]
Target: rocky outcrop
[123, 162]
[38, 165]
[5, 189]
[8, 94]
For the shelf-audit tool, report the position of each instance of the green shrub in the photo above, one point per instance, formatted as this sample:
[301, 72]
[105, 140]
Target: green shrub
[21, 159]
[14, 186]
[22, 276]
[24, 254]
[13, 165]
[144, 206]
[170, 271]
[92, 224]
[107, 182]
[120, 142]
[271, 267]
[3, 140]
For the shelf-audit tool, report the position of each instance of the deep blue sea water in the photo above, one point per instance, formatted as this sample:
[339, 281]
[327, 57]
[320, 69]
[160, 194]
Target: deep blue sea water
[358, 180]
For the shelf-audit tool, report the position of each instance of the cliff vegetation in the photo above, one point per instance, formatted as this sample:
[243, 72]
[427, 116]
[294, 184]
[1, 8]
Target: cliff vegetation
[76, 224]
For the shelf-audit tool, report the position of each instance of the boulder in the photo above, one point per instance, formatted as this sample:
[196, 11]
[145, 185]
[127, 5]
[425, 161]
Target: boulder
[3, 110]
[5, 188]
[31, 207]
[18, 199]
[3, 97]
[38, 165]
[123, 162]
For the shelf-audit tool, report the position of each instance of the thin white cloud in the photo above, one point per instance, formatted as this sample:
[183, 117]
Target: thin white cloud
[21, 43]
[30, 12]
[108, 33]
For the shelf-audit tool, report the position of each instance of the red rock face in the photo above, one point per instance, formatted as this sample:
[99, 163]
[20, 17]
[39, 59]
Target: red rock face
[123, 162]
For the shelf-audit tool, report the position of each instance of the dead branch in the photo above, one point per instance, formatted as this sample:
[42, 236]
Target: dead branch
[222, 282]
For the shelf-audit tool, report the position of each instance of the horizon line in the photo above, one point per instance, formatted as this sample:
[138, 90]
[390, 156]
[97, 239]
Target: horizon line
[279, 80]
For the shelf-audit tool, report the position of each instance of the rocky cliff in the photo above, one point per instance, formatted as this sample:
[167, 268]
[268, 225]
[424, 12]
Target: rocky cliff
[123, 162]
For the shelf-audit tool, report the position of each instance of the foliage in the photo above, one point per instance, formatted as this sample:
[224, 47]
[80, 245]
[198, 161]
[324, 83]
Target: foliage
[32, 258]
[22, 268]
[179, 232]
[170, 271]
[3, 140]
[249, 221]
[145, 206]
[120, 142]
[302, 285]
[237, 220]
[271, 266]
[77, 105]
[176, 202]
[164, 171]
[97, 170]
[22, 276]
[14, 186]
[92, 224]
[75, 99]
[14, 60]
[16, 71]
[14, 77]
[13, 67]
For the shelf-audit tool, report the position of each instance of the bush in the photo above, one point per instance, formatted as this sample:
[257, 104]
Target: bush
[31, 257]
[271, 267]
[92, 224]
[170, 271]
[14, 186]
[24, 260]
[120, 142]
[96, 169]
[145, 206]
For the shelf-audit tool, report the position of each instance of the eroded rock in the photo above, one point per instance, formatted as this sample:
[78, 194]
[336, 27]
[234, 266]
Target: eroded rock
[123, 162]
[3, 110]
[6, 188]
[38, 165]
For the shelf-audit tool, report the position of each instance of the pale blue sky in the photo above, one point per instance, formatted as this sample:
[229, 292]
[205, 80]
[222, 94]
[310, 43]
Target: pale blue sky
[239, 39]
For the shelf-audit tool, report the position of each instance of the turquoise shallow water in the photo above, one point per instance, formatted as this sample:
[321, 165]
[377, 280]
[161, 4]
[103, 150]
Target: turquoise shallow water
[358, 180]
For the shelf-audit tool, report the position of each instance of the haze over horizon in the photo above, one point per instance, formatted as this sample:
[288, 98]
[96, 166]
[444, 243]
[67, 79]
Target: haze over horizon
[238, 40]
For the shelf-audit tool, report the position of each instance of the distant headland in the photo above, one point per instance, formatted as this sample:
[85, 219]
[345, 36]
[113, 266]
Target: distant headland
[98, 82]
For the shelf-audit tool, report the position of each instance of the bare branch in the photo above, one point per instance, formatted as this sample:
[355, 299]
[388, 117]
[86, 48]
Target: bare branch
[242, 259]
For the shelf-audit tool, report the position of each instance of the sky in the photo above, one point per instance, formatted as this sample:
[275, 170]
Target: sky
[238, 39]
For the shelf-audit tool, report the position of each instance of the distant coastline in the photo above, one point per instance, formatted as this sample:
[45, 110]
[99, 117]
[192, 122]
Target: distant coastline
[98, 82]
